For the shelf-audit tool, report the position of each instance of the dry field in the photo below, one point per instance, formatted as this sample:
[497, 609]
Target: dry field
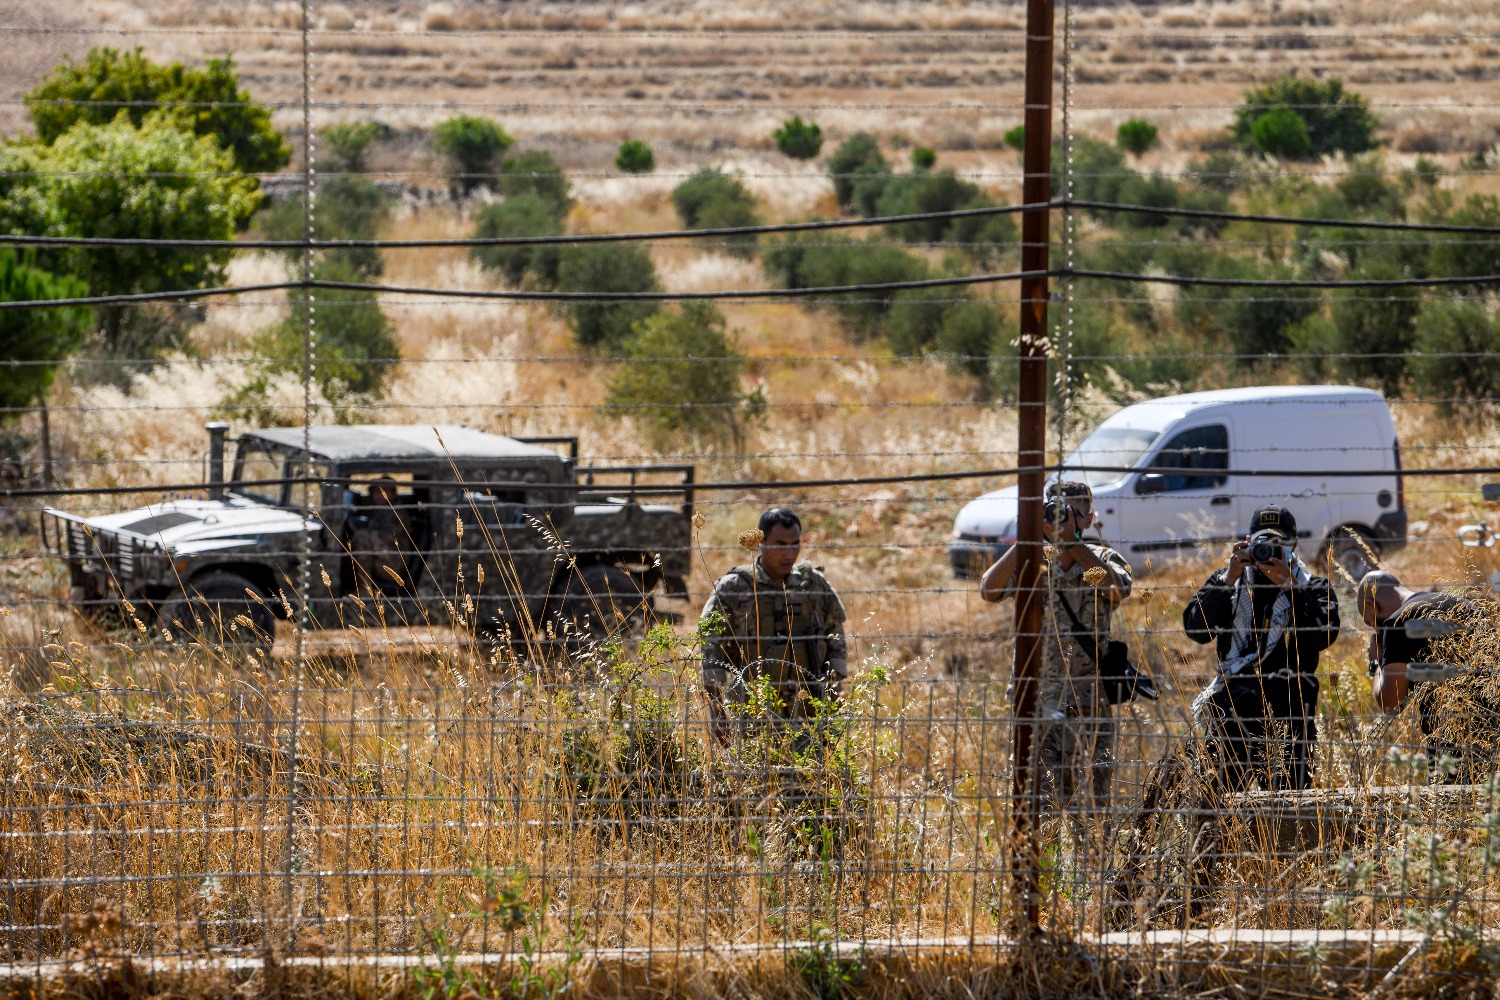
[378, 798]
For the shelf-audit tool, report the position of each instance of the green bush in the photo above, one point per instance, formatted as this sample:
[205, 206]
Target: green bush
[1366, 189]
[799, 139]
[1453, 353]
[1331, 119]
[711, 199]
[923, 158]
[1281, 132]
[606, 268]
[1258, 321]
[36, 340]
[346, 208]
[866, 314]
[1135, 136]
[1097, 168]
[985, 239]
[787, 262]
[868, 186]
[1375, 327]
[1221, 172]
[970, 336]
[525, 215]
[206, 102]
[856, 159]
[473, 147]
[347, 143]
[355, 344]
[920, 194]
[1457, 255]
[536, 173]
[635, 157]
[683, 380]
[1015, 137]
[915, 317]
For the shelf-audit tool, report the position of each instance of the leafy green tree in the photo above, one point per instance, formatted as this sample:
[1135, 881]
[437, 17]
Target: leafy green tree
[859, 154]
[473, 146]
[1453, 353]
[969, 337]
[923, 158]
[799, 139]
[344, 208]
[606, 268]
[916, 315]
[1281, 132]
[347, 144]
[866, 314]
[354, 344]
[35, 341]
[525, 215]
[635, 157]
[1136, 136]
[1221, 172]
[1015, 137]
[683, 380]
[1098, 171]
[1454, 255]
[1334, 120]
[536, 173]
[207, 102]
[711, 199]
[116, 180]
[922, 194]
[1374, 327]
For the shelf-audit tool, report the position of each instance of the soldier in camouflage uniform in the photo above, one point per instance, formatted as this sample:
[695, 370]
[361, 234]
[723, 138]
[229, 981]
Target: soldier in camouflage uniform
[1075, 737]
[777, 618]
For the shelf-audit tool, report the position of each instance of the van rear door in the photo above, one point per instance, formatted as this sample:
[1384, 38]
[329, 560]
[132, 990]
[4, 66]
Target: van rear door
[1185, 509]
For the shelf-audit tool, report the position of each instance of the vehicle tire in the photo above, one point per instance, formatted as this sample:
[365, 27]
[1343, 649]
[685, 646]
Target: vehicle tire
[600, 604]
[213, 611]
[1351, 551]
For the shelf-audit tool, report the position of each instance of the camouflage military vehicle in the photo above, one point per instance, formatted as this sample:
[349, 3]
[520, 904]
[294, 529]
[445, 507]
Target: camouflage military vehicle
[390, 523]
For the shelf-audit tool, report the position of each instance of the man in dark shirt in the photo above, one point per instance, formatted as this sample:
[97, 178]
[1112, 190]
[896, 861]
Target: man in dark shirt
[1387, 607]
[1270, 619]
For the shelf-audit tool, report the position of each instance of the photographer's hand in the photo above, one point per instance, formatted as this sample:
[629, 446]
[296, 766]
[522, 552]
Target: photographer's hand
[1239, 561]
[1277, 571]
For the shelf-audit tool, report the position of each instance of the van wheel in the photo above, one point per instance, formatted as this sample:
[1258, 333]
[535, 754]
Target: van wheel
[600, 603]
[1352, 552]
[221, 610]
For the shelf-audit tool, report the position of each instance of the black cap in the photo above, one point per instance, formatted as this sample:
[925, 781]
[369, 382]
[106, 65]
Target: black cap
[1274, 518]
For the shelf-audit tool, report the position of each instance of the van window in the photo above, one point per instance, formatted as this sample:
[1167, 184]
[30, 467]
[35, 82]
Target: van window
[1114, 448]
[1203, 454]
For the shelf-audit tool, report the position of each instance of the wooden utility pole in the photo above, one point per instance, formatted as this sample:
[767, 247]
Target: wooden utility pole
[1036, 232]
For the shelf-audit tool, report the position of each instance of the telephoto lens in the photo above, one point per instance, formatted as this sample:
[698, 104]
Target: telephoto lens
[1264, 548]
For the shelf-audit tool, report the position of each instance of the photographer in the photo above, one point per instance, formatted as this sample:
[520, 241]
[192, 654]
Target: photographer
[1270, 619]
[1085, 583]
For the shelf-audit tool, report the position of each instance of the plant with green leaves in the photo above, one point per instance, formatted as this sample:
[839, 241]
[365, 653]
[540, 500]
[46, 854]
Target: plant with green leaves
[37, 340]
[206, 102]
[624, 268]
[923, 158]
[1332, 119]
[635, 157]
[1015, 137]
[712, 199]
[473, 146]
[344, 208]
[1374, 327]
[799, 139]
[348, 143]
[522, 216]
[1136, 136]
[535, 173]
[858, 158]
[1452, 352]
[116, 180]
[683, 380]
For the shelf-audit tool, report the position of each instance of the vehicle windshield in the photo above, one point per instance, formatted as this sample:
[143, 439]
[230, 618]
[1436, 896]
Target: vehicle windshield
[1117, 447]
[256, 462]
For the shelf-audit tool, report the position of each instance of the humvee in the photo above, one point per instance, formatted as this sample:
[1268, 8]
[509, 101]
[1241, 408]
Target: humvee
[507, 537]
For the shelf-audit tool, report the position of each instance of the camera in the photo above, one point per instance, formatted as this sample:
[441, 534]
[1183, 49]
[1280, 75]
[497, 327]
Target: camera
[1054, 509]
[1264, 547]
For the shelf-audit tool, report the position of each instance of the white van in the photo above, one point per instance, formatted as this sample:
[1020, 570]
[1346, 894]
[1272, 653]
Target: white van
[1309, 433]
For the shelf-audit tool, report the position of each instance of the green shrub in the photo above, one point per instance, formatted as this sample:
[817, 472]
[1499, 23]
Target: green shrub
[1221, 172]
[683, 381]
[355, 344]
[789, 262]
[1097, 168]
[1258, 321]
[1331, 119]
[1281, 132]
[346, 208]
[970, 336]
[869, 184]
[536, 173]
[916, 315]
[346, 144]
[726, 213]
[1015, 137]
[1154, 191]
[37, 340]
[707, 185]
[985, 239]
[1135, 136]
[1375, 327]
[799, 139]
[635, 157]
[1453, 352]
[473, 146]
[865, 314]
[920, 194]
[522, 216]
[606, 268]
[1458, 255]
[1366, 189]
[923, 158]
[857, 158]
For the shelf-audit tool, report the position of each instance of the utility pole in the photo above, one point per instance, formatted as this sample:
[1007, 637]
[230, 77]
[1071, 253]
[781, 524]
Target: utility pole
[1036, 232]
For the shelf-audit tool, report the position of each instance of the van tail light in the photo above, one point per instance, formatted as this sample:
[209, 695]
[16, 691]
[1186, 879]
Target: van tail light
[1400, 479]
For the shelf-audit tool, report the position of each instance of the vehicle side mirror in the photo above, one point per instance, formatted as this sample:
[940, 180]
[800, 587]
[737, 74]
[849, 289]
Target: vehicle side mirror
[1151, 482]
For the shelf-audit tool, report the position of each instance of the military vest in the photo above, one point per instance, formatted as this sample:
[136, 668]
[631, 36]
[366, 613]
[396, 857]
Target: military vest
[783, 626]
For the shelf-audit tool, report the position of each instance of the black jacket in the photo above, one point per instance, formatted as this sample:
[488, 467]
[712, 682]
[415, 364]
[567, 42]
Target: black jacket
[1313, 627]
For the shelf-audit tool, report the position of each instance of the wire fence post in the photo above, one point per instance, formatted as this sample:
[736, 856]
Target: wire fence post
[1031, 455]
